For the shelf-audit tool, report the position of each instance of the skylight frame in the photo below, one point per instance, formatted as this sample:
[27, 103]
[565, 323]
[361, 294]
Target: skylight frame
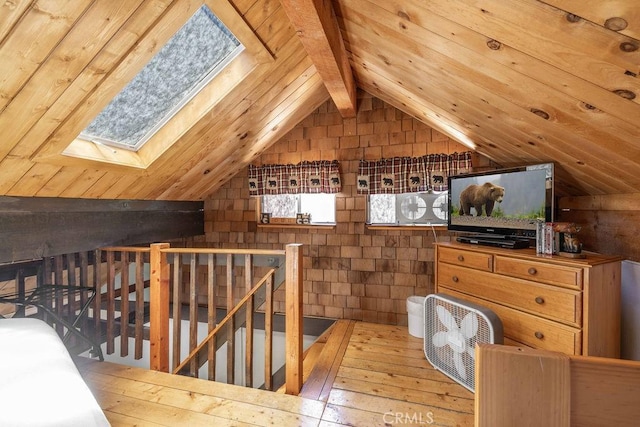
[162, 119]
[65, 148]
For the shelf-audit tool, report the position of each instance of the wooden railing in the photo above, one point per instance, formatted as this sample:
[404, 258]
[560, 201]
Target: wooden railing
[118, 260]
[82, 269]
[171, 268]
[162, 277]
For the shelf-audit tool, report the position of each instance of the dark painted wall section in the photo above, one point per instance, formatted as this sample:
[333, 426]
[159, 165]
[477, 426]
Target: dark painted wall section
[31, 228]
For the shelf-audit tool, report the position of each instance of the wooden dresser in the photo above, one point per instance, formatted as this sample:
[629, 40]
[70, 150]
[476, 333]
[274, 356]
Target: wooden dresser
[546, 302]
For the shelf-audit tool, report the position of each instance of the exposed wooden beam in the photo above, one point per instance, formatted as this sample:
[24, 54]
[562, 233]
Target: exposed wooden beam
[316, 24]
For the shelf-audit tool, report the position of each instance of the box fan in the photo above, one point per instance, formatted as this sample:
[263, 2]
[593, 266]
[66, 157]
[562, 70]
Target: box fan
[452, 327]
[421, 208]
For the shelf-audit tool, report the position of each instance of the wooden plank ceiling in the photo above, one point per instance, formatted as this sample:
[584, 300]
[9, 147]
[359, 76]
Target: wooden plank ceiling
[521, 81]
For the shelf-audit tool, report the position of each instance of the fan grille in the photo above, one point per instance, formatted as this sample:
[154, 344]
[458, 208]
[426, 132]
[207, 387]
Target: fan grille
[450, 339]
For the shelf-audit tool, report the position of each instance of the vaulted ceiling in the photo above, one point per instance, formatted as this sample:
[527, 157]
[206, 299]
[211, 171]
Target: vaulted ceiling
[520, 81]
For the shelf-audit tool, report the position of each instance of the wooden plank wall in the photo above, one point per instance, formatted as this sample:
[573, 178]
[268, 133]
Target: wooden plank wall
[33, 228]
[609, 222]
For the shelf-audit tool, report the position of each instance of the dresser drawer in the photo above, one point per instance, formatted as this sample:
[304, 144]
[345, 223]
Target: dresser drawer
[477, 260]
[530, 330]
[551, 302]
[552, 274]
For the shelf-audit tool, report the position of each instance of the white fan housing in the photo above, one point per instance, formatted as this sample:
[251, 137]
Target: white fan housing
[452, 328]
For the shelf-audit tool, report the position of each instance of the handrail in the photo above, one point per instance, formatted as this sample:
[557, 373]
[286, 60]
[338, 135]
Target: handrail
[224, 251]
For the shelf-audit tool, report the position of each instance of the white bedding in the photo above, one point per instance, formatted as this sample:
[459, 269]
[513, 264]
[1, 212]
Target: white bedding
[39, 383]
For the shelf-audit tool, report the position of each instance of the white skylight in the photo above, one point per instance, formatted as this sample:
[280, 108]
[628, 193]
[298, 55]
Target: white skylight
[189, 60]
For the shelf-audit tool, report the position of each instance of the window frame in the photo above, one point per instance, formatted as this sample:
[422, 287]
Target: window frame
[293, 222]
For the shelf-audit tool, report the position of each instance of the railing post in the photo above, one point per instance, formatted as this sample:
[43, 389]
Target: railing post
[293, 325]
[159, 308]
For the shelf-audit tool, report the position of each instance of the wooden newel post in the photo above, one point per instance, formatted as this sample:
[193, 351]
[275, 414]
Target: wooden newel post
[159, 308]
[294, 322]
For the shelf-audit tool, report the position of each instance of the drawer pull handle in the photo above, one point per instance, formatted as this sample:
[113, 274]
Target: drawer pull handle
[532, 271]
[455, 279]
[539, 335]
[460, 258]
[540, 300]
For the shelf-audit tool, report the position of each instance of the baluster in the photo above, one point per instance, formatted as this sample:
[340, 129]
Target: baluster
[139, 327]
[231, 334]
[177, 309]
[268, 334]
[248, 363]
[84, 281]
[212, 315]
[193, 314]
[59, 297]
[97, 302]
[111, 300]
[124, 305]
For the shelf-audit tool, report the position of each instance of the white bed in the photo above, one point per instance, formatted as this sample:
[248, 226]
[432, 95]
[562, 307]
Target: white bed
[39, 383]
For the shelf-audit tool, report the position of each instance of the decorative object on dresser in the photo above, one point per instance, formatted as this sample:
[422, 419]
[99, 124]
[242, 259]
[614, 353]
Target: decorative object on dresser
[570, 245]
[547, 302]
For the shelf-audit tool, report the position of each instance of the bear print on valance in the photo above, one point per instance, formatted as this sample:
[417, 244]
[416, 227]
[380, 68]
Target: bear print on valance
[410, 174]
[320, 176]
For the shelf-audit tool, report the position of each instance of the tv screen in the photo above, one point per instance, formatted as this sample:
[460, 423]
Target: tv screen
[506, 202]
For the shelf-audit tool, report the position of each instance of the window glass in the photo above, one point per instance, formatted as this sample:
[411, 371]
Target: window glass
[426, 208]
[320, 207]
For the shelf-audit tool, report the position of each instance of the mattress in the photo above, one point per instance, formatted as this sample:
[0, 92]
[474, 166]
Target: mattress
[39, 383]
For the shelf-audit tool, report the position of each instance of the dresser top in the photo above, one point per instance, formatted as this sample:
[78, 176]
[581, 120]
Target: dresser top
[591, 259]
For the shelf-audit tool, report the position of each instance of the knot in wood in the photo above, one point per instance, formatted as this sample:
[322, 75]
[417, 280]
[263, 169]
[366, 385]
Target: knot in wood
[573, 18]
[540, 113]
[615, 24]
[590, 107]
[494, 44]
[628, 46]
[627, 94]
[404, 15]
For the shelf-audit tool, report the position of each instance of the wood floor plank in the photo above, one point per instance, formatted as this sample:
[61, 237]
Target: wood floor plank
[392, 369]
[293, 404]
[352, 417]
[128, 421]
[326, 367]
[159, 414]
[223, 408]
[390, 409]
[364, 349]
[405, 382]
[437, 396]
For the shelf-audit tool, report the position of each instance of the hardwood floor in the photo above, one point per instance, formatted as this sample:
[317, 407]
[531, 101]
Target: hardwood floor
[364, 375]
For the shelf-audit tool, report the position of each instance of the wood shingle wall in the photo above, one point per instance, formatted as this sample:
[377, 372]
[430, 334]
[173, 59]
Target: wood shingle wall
[351, 271]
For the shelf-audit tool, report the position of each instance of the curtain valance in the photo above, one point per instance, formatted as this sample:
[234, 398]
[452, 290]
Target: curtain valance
[410, 174]
[321, 176]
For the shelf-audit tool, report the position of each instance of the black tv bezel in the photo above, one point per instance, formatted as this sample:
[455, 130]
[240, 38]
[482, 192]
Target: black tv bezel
[508, 231]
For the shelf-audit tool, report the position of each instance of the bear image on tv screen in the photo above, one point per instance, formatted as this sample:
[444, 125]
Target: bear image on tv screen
[479, 197]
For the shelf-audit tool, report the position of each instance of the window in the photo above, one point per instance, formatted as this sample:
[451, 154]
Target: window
[246, 53]
[424, 208]
[292, 209]
[187, 63]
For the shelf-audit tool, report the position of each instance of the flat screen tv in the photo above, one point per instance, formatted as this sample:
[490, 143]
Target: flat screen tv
[505, 202]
